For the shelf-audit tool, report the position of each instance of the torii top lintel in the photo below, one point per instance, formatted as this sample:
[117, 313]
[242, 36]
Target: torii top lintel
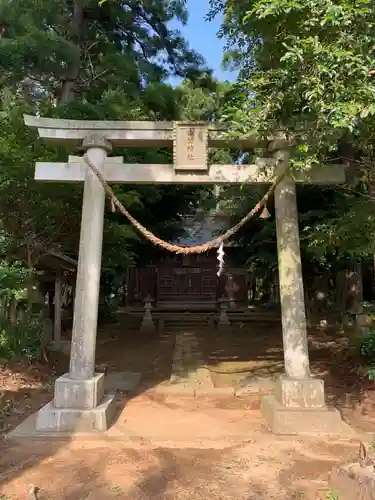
[153, 134]
[189, 141]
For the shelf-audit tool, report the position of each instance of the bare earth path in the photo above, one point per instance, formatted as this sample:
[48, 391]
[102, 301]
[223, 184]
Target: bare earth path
[167, 446]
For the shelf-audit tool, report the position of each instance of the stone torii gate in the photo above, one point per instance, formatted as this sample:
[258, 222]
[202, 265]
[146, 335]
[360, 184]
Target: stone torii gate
[298, 404]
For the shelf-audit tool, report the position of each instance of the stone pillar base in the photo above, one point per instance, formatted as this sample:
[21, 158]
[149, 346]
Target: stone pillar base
[282, 420]
[300, 393]
[78, 405]
[50, 418]
[79, 394]
[298, 407]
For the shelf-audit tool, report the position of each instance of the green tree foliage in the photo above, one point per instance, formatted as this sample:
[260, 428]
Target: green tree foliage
[328, 219]
[304, 68]
[76, 48]
[76, 59]
[20, 333]
[35, 217]
[80, 60]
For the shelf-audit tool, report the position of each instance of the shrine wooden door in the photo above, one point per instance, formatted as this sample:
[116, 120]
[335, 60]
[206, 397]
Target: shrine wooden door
[187, 283]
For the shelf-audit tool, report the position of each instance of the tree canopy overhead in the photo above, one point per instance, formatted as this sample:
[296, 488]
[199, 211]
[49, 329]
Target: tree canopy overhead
[298, 70]
[77, 59]
[303, 67]
[75, 48]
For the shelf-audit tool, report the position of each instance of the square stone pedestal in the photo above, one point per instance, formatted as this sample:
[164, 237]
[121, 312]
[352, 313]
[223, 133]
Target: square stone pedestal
[71, 393]
[50, 418]
[298, 407]
[78, 406]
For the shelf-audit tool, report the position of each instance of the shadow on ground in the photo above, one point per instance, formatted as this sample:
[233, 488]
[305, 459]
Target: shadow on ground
[258, 466]
[263, 468]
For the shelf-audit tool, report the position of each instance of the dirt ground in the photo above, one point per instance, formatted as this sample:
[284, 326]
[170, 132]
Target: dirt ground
[258, 466]
[165, 447]
[257, 352]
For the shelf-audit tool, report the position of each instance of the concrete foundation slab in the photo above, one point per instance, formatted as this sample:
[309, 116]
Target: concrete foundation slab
[255, 385]
[286, 420]
[87, 423]
[204, 380]
[214, 391]
[189, 390]
[183, 378]
[185, 389]
[50, 418]
[188, 376]
[79, 394]
[121, 381]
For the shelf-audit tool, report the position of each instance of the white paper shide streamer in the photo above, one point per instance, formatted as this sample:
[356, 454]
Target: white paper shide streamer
[220, 258]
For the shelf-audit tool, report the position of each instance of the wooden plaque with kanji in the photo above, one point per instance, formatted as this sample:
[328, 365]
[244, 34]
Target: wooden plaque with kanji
[190, 146]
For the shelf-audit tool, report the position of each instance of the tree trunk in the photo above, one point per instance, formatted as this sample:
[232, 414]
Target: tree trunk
[69, 85]
[371, 188]
[253, 288]
[355, 294]
[13, 312]
[341, 291]
[30, 280]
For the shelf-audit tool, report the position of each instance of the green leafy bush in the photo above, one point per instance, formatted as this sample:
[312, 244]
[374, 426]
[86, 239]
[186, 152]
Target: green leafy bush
[332, 495]
[21, 340]
[366, 349]
[366, 344]
[370, 372]
[21, 334]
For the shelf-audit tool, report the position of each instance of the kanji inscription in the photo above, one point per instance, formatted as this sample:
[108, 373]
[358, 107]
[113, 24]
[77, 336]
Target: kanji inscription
[190, 146]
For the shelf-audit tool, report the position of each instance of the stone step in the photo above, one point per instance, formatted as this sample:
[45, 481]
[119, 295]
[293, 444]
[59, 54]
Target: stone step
[191, 327]
[232, 318]
[200, 316]
[185, 322]
[186, 326]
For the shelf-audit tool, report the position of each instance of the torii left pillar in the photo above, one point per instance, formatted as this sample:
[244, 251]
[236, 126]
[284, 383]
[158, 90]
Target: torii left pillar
[79, 402]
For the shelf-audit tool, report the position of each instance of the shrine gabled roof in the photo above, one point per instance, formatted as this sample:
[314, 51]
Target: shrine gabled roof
[54, 260]
[199, 231]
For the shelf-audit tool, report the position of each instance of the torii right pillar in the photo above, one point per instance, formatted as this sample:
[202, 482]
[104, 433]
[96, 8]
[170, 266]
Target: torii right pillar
[298, 403]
